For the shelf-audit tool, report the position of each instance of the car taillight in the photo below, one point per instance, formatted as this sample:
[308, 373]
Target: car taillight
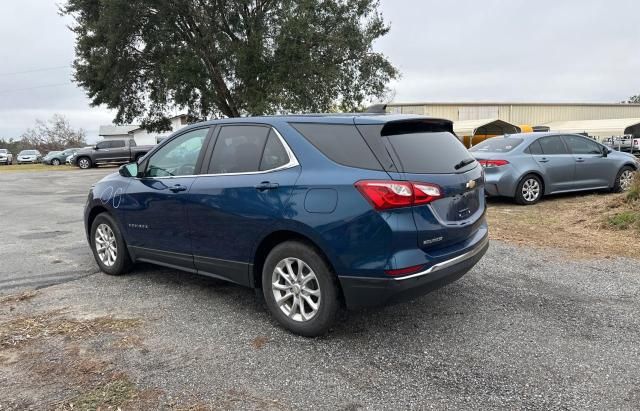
[384, 195]
[493, 163]
[404, 271]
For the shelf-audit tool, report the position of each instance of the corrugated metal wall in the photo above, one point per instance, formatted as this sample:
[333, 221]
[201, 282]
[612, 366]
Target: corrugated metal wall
[532, 114]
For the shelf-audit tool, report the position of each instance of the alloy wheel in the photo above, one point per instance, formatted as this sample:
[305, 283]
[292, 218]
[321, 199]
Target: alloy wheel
[626, 179]
[531, 190]
[55, 162]
[106, 246]
[83, 163]
[296, 289]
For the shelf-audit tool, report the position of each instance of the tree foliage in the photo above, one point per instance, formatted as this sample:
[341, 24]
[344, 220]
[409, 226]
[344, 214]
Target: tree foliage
[51, 135]
[227, 57]
[633, 100]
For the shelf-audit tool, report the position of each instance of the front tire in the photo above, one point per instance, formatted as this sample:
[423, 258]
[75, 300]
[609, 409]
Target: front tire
[529, 190]
[84, 163]
[108, 246]
[300, 289]
[55, 162]
[624, 179]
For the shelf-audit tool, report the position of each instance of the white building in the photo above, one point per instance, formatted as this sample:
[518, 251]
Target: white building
[141, 136]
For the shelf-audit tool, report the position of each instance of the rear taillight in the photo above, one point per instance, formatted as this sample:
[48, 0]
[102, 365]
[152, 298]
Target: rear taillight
[404, 271]
[384, 195]
[493, 163]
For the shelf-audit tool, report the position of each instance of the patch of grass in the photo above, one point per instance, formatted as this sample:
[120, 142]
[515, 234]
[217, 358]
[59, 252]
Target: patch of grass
[35, 327]
[111, 395]
[35, 167]
[625, 220]
[16, 298]
[633, 194]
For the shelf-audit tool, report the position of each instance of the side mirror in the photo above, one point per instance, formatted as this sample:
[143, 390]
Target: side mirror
[129, 170]
[605, 151]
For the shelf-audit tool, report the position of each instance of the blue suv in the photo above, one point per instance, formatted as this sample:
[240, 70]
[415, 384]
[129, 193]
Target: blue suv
[317, 211]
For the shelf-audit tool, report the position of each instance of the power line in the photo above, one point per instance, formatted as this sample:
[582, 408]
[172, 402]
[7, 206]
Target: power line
[35, 70]
[34, 88]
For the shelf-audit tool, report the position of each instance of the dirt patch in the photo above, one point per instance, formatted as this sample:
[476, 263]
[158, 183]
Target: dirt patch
[259, 342]
[577, 225]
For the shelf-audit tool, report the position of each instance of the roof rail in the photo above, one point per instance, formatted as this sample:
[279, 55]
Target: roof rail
[377, 108]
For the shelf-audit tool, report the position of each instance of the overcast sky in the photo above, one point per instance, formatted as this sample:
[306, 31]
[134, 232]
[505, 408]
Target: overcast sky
[456, 50]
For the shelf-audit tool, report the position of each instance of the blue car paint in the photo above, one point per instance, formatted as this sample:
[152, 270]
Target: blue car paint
[217, 224]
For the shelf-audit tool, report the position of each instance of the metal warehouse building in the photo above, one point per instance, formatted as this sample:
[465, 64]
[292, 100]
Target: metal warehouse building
[535, 114]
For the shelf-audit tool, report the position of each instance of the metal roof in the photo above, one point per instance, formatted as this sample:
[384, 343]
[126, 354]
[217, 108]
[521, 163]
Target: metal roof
[600, 128]
[488, 125]
[506, 103]
[106, 131]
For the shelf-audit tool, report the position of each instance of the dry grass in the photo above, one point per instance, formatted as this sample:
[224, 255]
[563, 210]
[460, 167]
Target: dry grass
[17, 298]
[577, 225]
[24, 329]
[34, 167]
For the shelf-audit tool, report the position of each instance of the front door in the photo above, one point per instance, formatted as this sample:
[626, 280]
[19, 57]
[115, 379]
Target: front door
[246, 189]
[557, 164]
[156, 220]
[593, 170]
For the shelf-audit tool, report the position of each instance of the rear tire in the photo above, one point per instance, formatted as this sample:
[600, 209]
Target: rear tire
[624, 179]
[55, 162]
[305, 299]
[84, 163]
[108, 246]
[529, 190]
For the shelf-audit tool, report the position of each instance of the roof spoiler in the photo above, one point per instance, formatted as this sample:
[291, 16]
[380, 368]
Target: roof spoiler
[377, 109]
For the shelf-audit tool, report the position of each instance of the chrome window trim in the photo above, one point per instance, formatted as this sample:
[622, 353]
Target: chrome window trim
[293, 162]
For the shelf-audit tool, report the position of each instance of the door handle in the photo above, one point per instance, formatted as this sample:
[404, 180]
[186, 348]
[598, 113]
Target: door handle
[178, 188]
[579, 160]
[266, 185]
[544, 160]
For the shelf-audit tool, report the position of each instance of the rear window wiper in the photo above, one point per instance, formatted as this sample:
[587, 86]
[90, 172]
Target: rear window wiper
[464, 163]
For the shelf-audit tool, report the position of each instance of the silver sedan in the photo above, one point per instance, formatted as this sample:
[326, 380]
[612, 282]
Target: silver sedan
[529, 165]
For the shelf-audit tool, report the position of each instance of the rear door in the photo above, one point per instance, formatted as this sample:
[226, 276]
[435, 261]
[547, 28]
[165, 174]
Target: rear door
[429, 153]
[556, 162]
[249, 178]
[592, 169]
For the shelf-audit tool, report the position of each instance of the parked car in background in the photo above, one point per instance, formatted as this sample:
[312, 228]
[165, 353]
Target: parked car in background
[29, 157]
[619, 143]
[55, 158]
[109, 152]
[314, 210]
[530, 165]
[6, 157]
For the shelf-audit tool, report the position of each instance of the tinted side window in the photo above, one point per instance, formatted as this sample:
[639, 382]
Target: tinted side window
[179, 156]
[535, 148]
[103, 144]
[553, 145]
[238, 149]
[341, 143]
[117, 144]
[274, 155]
[579, 145]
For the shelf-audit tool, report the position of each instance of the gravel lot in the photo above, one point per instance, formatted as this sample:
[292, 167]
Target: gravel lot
[526, 328]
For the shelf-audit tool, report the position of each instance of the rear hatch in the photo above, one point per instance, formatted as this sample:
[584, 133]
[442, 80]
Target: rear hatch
[426, 151]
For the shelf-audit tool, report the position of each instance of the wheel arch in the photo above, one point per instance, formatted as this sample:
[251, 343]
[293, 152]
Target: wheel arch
[535, 173]
[275, 238]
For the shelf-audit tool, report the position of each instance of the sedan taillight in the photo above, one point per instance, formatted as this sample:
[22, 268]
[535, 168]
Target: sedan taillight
[493, 163]
[384, 195]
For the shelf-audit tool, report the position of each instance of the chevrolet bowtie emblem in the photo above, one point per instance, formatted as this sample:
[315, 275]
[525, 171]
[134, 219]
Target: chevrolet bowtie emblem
[471, 184]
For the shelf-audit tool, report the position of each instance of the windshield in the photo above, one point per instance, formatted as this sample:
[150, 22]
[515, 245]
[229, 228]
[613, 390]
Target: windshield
[497, 145]
[3, 150]
[437, 153]
[28, 152]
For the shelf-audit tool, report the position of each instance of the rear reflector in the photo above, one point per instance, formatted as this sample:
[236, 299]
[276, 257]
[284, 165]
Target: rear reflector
[404, 271]
[384, 195]
[493, 163]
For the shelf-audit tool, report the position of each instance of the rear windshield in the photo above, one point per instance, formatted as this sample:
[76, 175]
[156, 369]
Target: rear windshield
[432, 153]
[497, 145]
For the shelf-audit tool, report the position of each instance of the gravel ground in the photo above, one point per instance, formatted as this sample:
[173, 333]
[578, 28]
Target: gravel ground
[525, 328]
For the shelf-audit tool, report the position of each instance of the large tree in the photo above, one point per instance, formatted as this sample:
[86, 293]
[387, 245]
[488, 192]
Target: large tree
[227, 57]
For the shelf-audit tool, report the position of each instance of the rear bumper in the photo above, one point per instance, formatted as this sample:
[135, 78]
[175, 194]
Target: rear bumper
[360, 292]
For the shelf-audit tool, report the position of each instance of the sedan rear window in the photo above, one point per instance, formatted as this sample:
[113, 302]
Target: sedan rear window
[432, 153]
[497, 145]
